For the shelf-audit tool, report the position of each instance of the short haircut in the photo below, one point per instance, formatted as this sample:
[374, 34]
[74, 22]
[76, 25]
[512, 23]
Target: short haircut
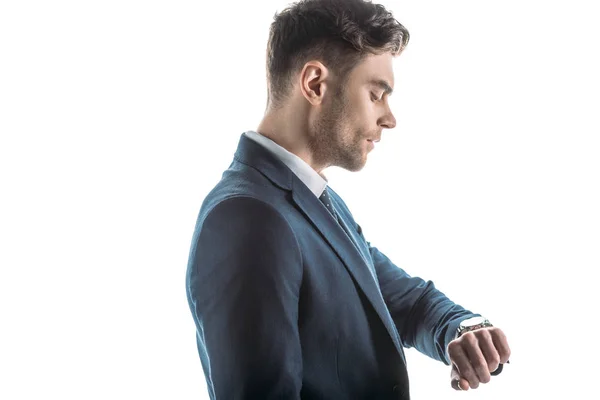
[339, 33]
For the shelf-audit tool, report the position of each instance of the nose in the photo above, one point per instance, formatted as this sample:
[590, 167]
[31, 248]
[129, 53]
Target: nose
[388, 121]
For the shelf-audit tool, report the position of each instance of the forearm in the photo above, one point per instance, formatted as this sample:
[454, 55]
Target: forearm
[425, 318]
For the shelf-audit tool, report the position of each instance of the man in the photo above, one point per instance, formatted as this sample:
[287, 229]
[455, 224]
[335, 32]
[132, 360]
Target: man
[290, 300]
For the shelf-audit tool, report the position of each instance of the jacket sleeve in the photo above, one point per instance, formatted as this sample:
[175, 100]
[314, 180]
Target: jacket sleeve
[243, 283]
[425, 318]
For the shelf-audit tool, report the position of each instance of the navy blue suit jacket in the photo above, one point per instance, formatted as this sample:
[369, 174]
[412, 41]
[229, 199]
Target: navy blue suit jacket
[287, 306]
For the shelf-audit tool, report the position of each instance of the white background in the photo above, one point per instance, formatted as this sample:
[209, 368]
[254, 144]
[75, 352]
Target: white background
[118, 117]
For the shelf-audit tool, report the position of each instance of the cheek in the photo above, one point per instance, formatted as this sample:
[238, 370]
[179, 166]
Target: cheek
[362, 115]
[353, 122]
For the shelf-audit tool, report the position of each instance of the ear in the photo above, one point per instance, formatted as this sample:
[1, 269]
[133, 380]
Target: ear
[314, 80]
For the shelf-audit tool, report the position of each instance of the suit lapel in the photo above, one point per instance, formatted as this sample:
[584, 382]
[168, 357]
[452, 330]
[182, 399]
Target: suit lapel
[354, 259]
[363, 251]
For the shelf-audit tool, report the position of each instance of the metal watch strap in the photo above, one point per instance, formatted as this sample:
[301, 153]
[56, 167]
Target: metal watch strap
[484, 324]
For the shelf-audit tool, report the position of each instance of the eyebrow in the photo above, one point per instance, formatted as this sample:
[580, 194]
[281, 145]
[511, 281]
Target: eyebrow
[382, 84]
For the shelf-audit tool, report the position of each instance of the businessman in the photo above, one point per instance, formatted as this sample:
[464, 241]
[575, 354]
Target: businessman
[289, 299]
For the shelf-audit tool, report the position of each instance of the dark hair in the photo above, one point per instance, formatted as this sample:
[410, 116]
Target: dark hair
[339, 33]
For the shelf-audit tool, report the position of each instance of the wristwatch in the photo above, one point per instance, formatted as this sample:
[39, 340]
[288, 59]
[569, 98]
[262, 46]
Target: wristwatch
[472, 324]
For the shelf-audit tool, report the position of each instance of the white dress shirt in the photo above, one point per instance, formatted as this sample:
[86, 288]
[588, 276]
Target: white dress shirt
[311, 178]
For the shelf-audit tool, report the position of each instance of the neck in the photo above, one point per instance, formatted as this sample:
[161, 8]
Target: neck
[290, 131]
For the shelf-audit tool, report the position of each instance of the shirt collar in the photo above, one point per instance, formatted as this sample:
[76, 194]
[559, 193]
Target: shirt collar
[311, 178]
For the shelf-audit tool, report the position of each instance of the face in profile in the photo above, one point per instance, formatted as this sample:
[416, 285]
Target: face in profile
[354, 115]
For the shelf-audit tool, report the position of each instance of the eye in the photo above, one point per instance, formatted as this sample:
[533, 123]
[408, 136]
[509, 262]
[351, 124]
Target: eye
[375, 97]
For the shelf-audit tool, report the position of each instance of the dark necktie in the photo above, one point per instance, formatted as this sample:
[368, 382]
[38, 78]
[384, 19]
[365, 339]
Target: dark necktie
[327, 202]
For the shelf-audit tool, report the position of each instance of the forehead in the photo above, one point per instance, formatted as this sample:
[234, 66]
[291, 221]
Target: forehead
[374, 68]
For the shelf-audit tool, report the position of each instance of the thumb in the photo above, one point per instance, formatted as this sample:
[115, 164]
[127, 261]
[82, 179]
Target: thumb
[456, 381]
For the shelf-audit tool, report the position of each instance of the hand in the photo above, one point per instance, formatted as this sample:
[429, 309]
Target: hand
[474, 355]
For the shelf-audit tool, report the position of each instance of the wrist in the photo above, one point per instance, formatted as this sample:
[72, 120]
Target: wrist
[472, 324]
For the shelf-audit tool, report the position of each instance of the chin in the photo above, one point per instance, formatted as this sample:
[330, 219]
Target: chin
[357, 165]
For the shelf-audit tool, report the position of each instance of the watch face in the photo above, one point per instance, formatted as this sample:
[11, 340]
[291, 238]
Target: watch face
[472, 321]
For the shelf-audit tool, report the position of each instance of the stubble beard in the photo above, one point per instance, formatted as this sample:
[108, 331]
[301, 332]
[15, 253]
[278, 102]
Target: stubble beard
[328, 142]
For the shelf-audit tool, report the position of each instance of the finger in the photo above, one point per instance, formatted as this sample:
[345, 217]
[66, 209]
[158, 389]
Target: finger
[456, 381]
[460, 384]
[486, 344]
[464, 384]
[501, 344]
[461, 360]
[478, 362]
